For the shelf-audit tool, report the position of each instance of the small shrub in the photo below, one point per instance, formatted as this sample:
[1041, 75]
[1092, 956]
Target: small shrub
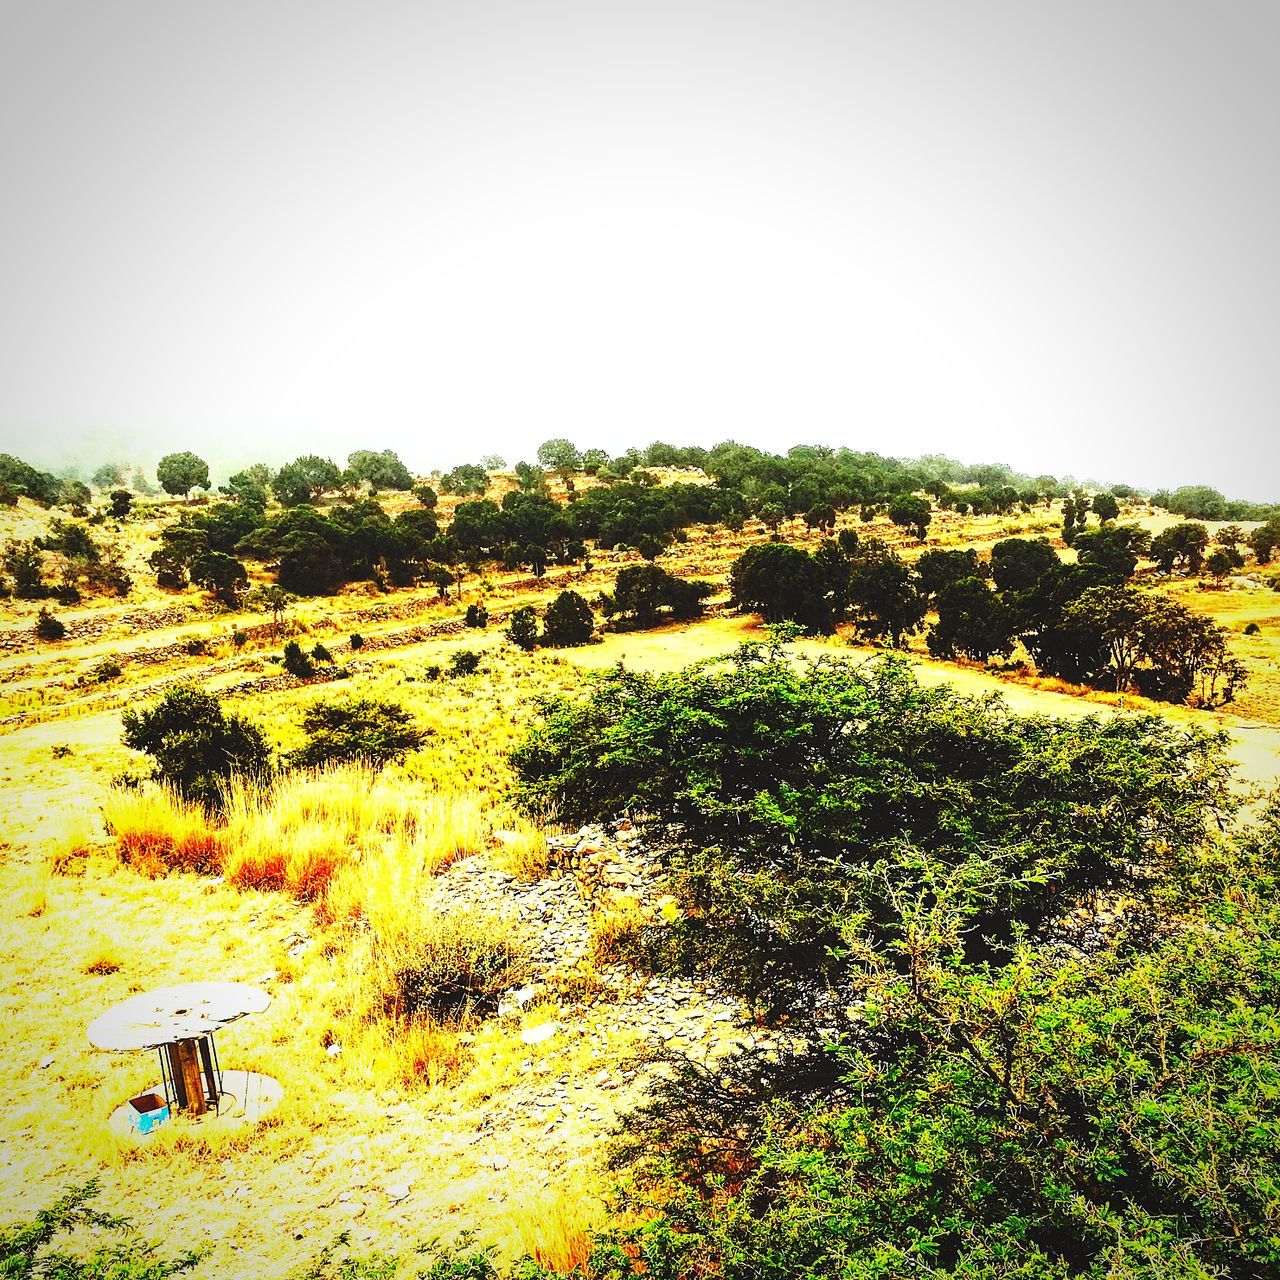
[432, 671]
[48, 627]
[296, 662]
[477, 616]
[522, 630]
[568, 621]
[104, 670]
[239, 638]
[320, 654]
[196, 646]
[372, 730]
[357, 641]
[464, 663]
[1252, 629]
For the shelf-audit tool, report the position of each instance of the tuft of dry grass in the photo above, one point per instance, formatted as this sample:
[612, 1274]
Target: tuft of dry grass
[554, 1226]
[307, 833]
[615, 929]
[158, 831]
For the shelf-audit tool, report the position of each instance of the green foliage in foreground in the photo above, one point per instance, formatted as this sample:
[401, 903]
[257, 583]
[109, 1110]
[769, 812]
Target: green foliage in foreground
[807, 801]
[195, 746]
[1001, 1095]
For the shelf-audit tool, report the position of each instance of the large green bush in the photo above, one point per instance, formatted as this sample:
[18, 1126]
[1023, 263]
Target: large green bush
[806, 799]
[196, 747]
[376, 731]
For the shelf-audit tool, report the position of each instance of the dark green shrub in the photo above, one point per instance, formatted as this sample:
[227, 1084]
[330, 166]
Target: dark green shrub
[809, 795]
[357, 641]
[321, 654]
[1252, 629]
[196, 747]
[522, 628]
[239, 638]
[370, 729]
[464, 662]
[105, 669]
[568, 621]
[48, 627]
[296, 662]
[477, 616]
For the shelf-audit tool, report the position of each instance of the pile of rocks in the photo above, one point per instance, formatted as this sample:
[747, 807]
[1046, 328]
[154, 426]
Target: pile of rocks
[607, 863]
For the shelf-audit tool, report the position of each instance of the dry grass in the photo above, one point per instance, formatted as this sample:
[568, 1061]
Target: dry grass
[615, 928]
[157, 831]
[554, 1227]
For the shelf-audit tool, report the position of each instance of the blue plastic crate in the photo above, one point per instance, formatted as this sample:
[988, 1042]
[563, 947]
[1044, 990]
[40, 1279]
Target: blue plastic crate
[147, 1112]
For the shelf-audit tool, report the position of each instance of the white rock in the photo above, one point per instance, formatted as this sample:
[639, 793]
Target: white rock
[398, 1191]
[538, 1035]
[333, 1050]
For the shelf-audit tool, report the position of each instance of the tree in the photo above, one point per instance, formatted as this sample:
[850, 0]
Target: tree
[48, 627]
[374, 731]
[783, 584]
[522, 628]
[885, 600]
[250, 485]
[309, 566]
[560, 455]
[1264, 540]
[379, 470]
[179, 473]
[111, 475]
[304, 479]
[530, 478]
[645, 595]
[20, 477]
[594, 460]
[426, 495]
[1115, 549]
[121, 503]
[1181, 544]
[196, 747]
[1116, 616]
[297, 662]
[465, 479]
[1105, 506]
[493, 462]
[973, 621]
[568, 621]
[223, 575]
[938, 569]
[911, 513]
[1018, 564]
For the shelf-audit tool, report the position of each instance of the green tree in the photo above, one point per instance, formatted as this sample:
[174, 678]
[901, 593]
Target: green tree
[382, 470]
[121, 503]
[972, 621]
[782, 583]
[179, 473]
[375, 731]
[568, 621]
[304, 479]
[912, 513]
[1106, 507]
[522, 628]
[1018, 564]
[195, 746]
[885, 600]
[560, 455]
[223, 575]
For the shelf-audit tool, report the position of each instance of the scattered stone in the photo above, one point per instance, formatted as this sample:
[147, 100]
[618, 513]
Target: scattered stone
[398, 1191]
[540, 1034]
[334, 1049]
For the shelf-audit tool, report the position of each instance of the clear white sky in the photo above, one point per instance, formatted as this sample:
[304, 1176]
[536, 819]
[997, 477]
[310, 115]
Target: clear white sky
[1043, 233]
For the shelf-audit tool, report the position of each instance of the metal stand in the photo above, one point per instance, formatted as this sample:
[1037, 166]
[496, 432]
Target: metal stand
[191, 1075]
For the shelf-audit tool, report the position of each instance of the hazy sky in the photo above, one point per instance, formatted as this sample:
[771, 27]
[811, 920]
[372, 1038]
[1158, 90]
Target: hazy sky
[1033, 232]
